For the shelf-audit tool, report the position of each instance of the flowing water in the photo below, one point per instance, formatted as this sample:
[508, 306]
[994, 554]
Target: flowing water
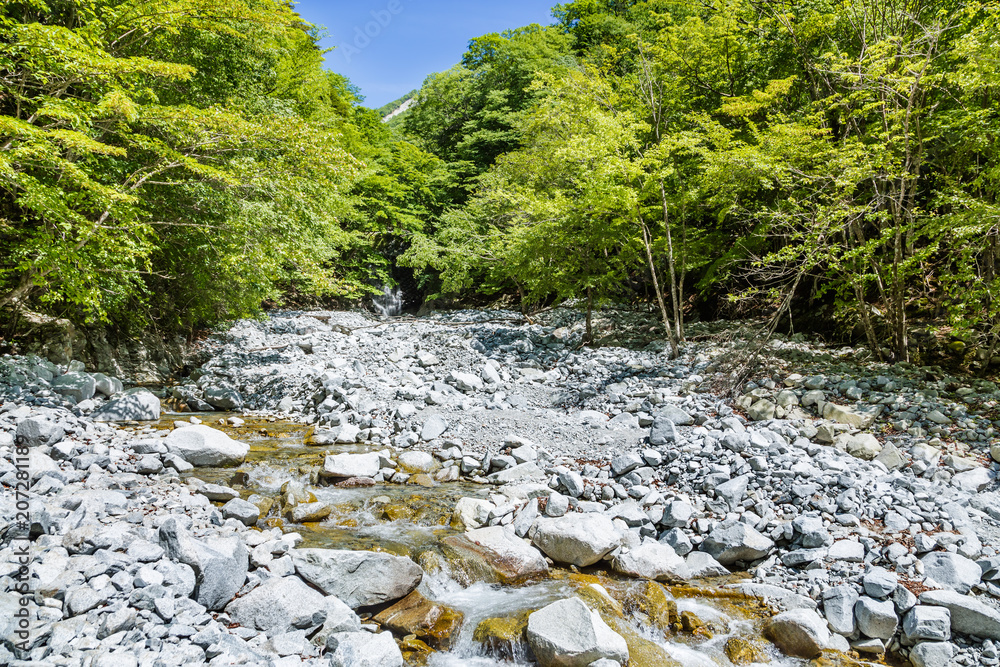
[389, 303]
[412, 520]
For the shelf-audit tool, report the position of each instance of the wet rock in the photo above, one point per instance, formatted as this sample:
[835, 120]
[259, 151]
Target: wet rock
[568, 634]
[202, 445]
[279, 605]
[495, 554]
[435, 624]
[416, 462]
[736, 542]
[742, 651]
[309, 512]
[139, 405]
[358, 578]
[503, 636]
[800, 633]
[471, 513]
[363, 649]
[576, 539]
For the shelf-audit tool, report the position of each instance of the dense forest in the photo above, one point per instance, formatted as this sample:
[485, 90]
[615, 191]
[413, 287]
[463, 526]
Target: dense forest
[180, 162]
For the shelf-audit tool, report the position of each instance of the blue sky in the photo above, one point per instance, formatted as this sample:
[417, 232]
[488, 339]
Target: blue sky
[388, 47]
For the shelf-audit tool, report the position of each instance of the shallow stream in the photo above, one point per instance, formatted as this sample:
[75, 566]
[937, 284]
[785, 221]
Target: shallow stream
[411, 520]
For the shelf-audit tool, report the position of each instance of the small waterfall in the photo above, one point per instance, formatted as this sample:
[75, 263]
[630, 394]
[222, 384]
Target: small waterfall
[390, 303]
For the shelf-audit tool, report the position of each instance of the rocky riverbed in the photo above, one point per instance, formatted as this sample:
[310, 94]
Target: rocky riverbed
[469, 488]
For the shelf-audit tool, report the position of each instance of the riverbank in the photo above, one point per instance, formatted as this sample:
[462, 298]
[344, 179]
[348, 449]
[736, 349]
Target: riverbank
[858, 497]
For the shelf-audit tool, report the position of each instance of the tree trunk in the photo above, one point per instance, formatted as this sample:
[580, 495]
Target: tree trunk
[674, 350]
[590, 318]
[675, 291]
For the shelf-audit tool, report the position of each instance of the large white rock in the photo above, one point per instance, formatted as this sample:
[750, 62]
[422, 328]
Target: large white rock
[498, 553]
[651, 560]
[139, 405]
[202, 445]
[279, 605]
[576, 539]
[358, 578]
[568, 634]
[351, 465]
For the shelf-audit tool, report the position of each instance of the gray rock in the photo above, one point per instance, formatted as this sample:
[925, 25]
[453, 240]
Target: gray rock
[140, 405]
[952, 571]
[800, 633]
[568, 634]
[76, 386]
[736, 542]
[339, 618]
[702, 566]
[662, 432]
[675, 415]
[243, 511]
[202, 445]
[932, 654]
[434, 427]
[876, 619]
[358, 578]
[363, 649]
[625, 463]
[573, 483]
[651, 560]
[576, 539]
[864, 446]
[733, 491]
[107, 385]
[969, 616]
[223, 398]
[811, 531]
[677, 514]
[879, 583]
[38, 432]
[220, 564]
[279, 605]
[761, 410]
[838, 607]
[926, 623]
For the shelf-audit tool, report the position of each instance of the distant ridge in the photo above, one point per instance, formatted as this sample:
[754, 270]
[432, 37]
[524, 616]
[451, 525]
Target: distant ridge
[396, 107]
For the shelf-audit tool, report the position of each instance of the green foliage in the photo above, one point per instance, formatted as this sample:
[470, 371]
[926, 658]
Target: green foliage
[168, 160]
